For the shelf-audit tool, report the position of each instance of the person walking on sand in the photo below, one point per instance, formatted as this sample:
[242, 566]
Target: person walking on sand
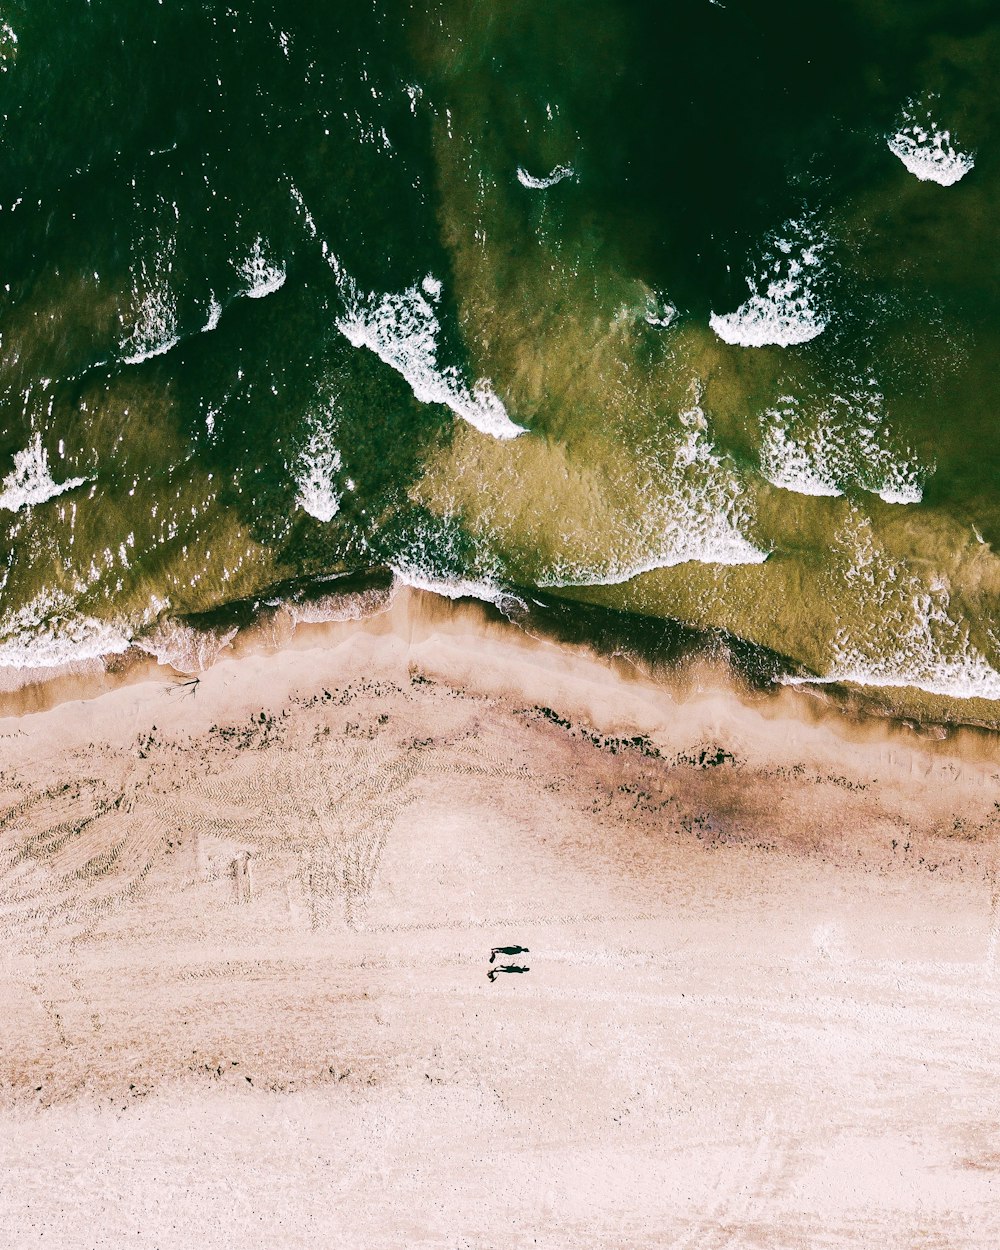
[508, 950]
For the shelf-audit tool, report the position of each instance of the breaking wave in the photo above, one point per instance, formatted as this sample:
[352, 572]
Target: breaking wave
[460, 588]
[437, 556]
[826, 443]
[925, 149]
[799, 466]
[403, 330]
[214, 315]
[318, 464]
[8, 46]
[31, 481]
[559, 174]
[154, 330]
[262, 275]
[659, 312]
[909, 635]
[179, 645]
[48, 632]
[694, 514]
[785, 307]
[326, 609]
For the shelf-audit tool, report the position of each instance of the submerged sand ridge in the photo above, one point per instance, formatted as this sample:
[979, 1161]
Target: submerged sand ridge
[246, 930]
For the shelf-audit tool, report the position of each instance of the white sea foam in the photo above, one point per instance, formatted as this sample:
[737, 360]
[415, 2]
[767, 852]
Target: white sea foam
[559, 174]
[901, 491]
[49, 632]
[154, 331]
[721, 548]
[460, 588]
[659, 312]
[919, 663]
[403, 330]
[794, 466]
[440, 558]
[318, 464]
[909, 636]
[214, 314]
[693, 514]
[340, 607]
[31, 481]
[821, 445]
[925, 149]
[181, 646]
[262, 275]
[415, 94]
[8, 46]
[785, 307]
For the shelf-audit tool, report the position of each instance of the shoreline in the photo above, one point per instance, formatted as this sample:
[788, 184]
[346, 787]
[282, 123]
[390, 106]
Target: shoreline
[378, 607]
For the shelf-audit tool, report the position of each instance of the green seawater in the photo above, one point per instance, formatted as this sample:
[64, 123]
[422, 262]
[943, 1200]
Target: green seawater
[687, 311]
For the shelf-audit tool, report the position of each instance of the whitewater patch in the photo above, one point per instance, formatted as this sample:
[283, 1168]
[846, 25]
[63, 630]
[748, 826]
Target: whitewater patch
[792, 465]
[403, 330]
[31, 481]
[49, 632]
[318, 464]
[153, 328]
[910, 636]
[214, 315]
[925, 149]
[438, 556]
[261, 274]
[326, 609]
[719, 548]
[154, 331]
[919, 663]
[659, 312]
[694, 514]
[785, 307]
[557, 175]
[460, 588]
[828, 442]
[180, 646]
[8, 46]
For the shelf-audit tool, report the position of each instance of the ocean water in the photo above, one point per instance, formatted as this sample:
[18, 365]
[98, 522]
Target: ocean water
[685, 312]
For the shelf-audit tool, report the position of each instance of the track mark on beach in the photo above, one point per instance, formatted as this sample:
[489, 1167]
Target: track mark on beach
[741, 1195]
[993, 934]
[71, 851]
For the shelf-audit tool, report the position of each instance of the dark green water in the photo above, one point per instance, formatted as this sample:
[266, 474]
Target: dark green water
[686, 309]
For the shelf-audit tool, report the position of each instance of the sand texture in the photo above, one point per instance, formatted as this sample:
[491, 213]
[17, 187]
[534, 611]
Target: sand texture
[246, 928]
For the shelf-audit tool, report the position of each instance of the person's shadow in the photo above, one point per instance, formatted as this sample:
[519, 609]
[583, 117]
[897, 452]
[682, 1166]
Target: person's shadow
[493, 972]
[508, 950]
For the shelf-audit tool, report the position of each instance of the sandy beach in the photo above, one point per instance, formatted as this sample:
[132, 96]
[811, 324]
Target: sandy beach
[247, 924]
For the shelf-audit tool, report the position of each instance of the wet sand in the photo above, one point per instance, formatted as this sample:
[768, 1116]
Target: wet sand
[246, 928]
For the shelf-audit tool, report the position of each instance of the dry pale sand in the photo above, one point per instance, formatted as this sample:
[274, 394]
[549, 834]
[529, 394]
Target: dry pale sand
[246, 929]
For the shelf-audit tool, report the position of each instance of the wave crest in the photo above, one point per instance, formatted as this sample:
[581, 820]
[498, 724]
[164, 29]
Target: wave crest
[785, 306]
[31, 481]
[925, 149]
[403, 330]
